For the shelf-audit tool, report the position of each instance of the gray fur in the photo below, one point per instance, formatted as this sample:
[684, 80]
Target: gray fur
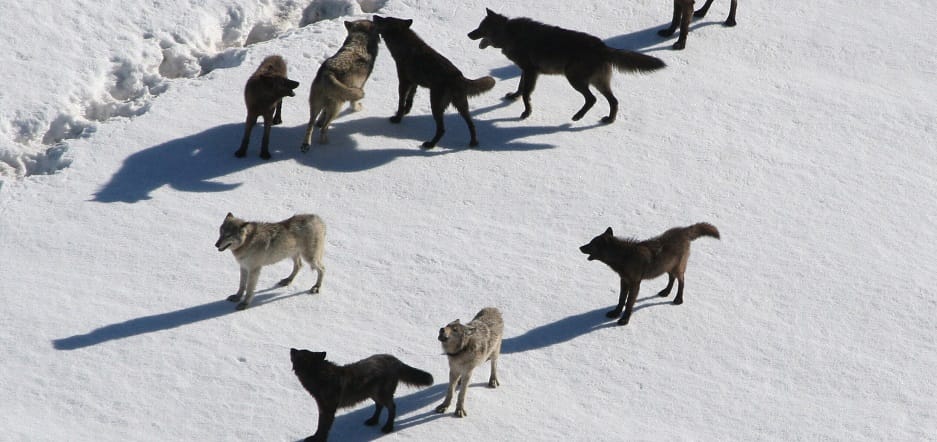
[341, 78]
[257, 244]
[468, 346]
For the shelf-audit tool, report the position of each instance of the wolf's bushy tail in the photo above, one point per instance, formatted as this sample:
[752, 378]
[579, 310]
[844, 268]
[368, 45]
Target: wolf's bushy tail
[479, 86]
[702, 229]
[633, 61]
[340, 90]
[415, 376]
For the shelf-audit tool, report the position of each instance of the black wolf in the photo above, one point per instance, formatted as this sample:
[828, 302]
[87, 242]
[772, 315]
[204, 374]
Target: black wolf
[681, 17]
[635, 260]
[334, 386]
[539, 48]
[263, 95]
[419, 65]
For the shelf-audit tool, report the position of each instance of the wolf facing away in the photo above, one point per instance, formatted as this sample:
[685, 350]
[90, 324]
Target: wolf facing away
[263, 95]
[257, 244]
[681, 17]
[538, 48]
[419, 65]
[468, 346]
[335, 386]
[635, 260]
[341, 78]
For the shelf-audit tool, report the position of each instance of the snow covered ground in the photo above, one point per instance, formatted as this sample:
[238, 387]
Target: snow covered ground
[806, 134]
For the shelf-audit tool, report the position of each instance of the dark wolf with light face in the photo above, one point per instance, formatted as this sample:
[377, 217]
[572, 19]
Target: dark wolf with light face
[420, 65]
[341, 78]
[635, 260]
[257, 244]
[682, 10]
[468, 346]
[263, 95]
[539, 48]
[335, 386]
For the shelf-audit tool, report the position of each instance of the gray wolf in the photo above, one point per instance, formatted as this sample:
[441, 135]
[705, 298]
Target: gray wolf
[635, 260]
[341, 78]
[419, 65]
[334, 387]
[681, 17]
[539, 48]
[257, 244]
[263, 95]
[468, 346]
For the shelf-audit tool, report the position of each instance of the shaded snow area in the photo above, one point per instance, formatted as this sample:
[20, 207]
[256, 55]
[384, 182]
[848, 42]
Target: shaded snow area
[806, 134]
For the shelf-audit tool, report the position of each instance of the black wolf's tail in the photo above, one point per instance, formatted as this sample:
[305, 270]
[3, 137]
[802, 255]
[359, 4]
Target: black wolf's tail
[702, 229]
[633, 61]
[415, 377]
[479, 86]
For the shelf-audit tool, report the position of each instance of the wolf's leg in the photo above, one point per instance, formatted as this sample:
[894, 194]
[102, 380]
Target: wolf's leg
[252, 276]
[248, 126]
[632, 295]
[666, 291]
[320, 273]
[677, 9]
[701, 12]
[461, 105]
[463, 389]
[730, 20]
[314, 112]
[297, 263]
[391, 415]
[528, 82]
[377, 414]
[405, 91]
[622, 297]
[265, 142]
[493, 379]
[242, 285]
[686, 14]
[326, 418]
[604, 87]
[332, 110]
[277, 118]
[453, 382]
[438, 101]
[579, 79]
[679, 299]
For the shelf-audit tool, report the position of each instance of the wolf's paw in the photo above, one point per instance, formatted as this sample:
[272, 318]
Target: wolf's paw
[442, 408]
[241, 306]
[473, 143]
[396, 119]
[285, 282]
[371, 421]
[240, 153]
[623, 321]
[304, 148]
[730, 23]
[612, 313]
[265, 155]
[608, 120]
[460, 412]
[512, 96]
[493, 383]
[525, 114]
[428, 145]
[679, 45]
[276, 121]
[666, 32]
[356, 106]
[389, 428]
[314, 290]
[677, 301]
[234, 298]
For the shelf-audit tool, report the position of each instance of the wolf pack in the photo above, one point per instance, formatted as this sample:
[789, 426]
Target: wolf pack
[536, 48]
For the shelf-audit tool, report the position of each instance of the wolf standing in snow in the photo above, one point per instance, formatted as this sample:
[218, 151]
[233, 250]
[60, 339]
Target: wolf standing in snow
[682, 9]
[257, 244]
[263, 95]
[468, 346]
[539, 48]
[635, 260]
[341, 78]
[335, 386]
[420, 65]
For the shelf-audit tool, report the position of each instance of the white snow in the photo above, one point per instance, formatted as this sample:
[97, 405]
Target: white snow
[806, 134]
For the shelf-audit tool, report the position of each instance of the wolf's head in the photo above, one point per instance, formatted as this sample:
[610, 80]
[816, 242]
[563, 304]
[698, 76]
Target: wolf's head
[390, 24]
[490, 30]
[303, 359]
[596, 248]
[452, 335]
[232, 233]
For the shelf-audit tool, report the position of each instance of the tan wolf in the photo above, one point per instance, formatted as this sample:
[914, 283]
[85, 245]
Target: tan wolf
[341, 78]
[468, 346]
[263, 95]
[635, 260]
[682, 9]
[257, 244]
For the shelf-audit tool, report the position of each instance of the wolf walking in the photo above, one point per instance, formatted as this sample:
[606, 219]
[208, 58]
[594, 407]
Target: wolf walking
[468, 346]
[635, 260]
[263, 95]
[682, 11]
[257, 244]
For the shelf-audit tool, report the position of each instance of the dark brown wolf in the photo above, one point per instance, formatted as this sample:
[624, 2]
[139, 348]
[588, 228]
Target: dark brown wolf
[334, 387]
[681, 17]
[539, 48]
[263, 95]
[419, 65]
[635, 260]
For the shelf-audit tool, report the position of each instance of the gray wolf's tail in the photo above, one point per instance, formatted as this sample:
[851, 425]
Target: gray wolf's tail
[702, 229]
[415, 377]
[341, 91]
[479, 86]
[633, 61]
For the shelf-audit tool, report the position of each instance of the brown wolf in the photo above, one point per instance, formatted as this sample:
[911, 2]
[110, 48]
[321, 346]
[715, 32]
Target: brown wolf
[538, 48]
[341, 78]
[419, 65]
[263, 95]
[681, 17]
[635, 260]
[335, 387]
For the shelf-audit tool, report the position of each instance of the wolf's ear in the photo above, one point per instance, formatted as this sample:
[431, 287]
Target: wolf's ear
[608, 232]
[229, 216]
[407, 22]
[319, 355]
[348, 25]
[490, 12]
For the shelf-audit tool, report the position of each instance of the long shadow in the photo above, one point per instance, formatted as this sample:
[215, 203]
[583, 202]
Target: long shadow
[350, 426]
[160, 322]
[647, 40]
[557, 332]
[191, 163]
